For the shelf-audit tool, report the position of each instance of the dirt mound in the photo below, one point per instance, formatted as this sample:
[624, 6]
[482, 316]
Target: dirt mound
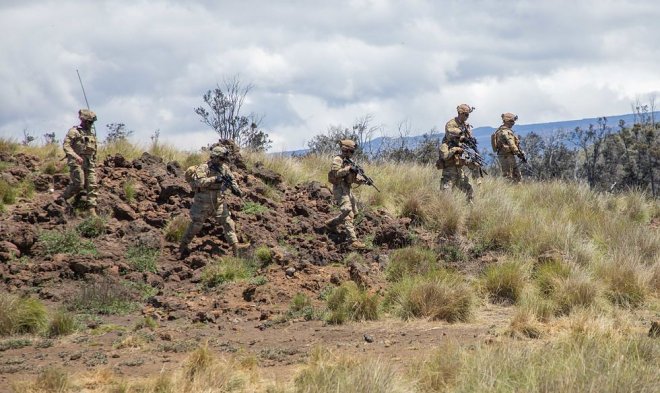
[140, 197]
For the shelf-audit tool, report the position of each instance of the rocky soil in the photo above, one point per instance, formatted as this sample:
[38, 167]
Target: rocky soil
[240, 316]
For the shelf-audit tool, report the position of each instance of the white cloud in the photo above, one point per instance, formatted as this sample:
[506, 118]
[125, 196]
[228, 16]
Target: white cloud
[314, 64]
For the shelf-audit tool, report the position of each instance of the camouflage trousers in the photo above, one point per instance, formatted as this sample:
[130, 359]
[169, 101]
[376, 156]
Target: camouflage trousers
[82, 177]
[510, 169]
[204, 205]
[454, 176]
[347, 211]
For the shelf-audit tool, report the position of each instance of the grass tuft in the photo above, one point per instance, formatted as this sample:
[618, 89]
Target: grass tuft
[263, 255]
[175, 229]
[62, 323]
[348, 302]
[19, 315]
[92, 227]
[253, 208]
[225, 270]
[410, 261]
[65, 242]
[104, 297]
[504, 282]
[142, 258]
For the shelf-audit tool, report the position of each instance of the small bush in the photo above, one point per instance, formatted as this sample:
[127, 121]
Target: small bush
[52, 380]
[253, 208]
[348, 302]
[625, 286]
[226, 270]
[50, 168]
[259, 280]
[104, 297]
[62, 324]
[524, 324]
[8, 193]
[92, 227]
[301, 307]
[505, 282]
[577, 290]
[413, 208]
[65, 242]
[21, 315]
[129, 190]
[439, 296]
[548, 275]
[175, 229]
[410, 261]
[263, 255]
[142, 258]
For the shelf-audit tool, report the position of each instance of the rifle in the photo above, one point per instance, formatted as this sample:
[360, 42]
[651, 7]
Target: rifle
[358, 170]
[85, 95]
[522, 156]
[226, 181]
[471, 152]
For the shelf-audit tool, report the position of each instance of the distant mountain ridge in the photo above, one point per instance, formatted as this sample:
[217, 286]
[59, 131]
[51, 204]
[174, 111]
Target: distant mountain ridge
[483, 133]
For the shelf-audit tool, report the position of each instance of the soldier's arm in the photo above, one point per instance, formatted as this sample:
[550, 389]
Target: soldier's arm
[67, 146]
[202, 178]
[510, 140]
[452, 130]
[337, 166]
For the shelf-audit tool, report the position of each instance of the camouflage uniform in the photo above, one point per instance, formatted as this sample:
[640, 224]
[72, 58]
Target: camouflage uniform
[342, 178]
[453, 173]
[80, 145]
[507, 146]
[209, 199]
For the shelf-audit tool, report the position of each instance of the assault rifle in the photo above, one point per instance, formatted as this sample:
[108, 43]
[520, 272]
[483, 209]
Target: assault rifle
[522, 156]
[226, 181]
[358, 170]
[471, 152]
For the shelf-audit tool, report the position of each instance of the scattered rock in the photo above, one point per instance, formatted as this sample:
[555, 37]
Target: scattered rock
[368, 338]
[290, 271]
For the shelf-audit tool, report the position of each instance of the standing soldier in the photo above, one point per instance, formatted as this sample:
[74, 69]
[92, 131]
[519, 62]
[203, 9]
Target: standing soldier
[209, 182]
[456, 131]
[342, 178]
[507, 145]
[80, 149]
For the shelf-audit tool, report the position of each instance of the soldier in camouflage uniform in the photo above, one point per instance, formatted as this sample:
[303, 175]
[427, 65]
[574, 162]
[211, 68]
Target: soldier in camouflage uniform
[507, 146]
[80, 149]
[209, 199]
[453, 171]
[342, 178]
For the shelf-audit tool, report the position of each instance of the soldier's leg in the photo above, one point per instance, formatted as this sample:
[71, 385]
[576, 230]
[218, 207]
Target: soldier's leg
[342, 200]
[89, 168]
[515, 172]
[223, 216]
[448, 178]
[76, 177]
[199, 211]
[464, 184]
[507, 163]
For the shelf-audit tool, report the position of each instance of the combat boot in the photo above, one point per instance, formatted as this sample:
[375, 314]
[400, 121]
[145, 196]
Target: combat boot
[358, 245]
[184, 251]
[330, 225]
[237, 247]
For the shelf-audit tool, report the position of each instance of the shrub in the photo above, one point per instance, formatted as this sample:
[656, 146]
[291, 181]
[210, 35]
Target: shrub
[577, 290]
[104, 297]
[62, 324]
[413, 208]
[253, 208]
[548, 275]
[348, 302]
[143, 258]
[263, 255]
[225, 270]
[439, 296]
[21, 315]
[301, 307]
[65, 242]
[625, 286]
[328, 374]
[410, 261]
[505, 281]
[92, 227]
[175, 229]
[129, 190]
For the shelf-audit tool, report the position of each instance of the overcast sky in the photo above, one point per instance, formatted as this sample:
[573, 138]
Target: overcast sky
[319, 63]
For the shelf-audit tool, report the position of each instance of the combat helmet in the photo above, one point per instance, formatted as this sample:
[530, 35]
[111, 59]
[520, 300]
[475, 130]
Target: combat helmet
[86, 115]
[347, 145]
[219, 152]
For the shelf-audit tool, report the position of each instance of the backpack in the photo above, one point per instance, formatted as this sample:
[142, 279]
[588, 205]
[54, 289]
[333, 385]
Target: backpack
[189, 174]
[332, 178]
[494, 137]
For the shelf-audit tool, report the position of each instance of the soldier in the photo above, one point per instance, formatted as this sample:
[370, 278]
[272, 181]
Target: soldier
[209, 186]
[453, 174]
[342, 178]
[80, 149]
[507, 145]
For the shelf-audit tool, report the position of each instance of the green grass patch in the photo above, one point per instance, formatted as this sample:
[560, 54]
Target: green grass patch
[62, 323]
[410, 261]
[142, 258]
[263, 255]
[348, 302]
[226, 269]
[129, 190]
[14, 343]
[253, 208]
[19, 315]
[504, 282]
[440, 295]
[92, 227]
[175, 228]
[66, 242]
[8, 193]
[104, 297]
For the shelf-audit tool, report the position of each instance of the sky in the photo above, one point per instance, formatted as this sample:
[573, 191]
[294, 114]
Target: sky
[316, 64]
